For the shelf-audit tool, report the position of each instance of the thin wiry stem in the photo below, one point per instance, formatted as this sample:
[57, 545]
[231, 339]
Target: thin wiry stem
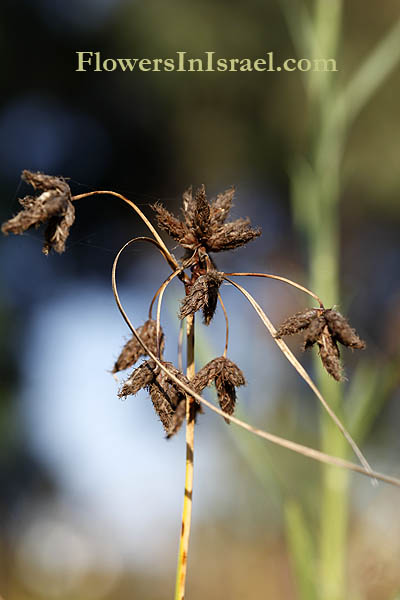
[279, 278]
[167, 254]
[302, 372]
[181, 570]
[154, 299]
[159, 303]
[288, 444]
[226, 324]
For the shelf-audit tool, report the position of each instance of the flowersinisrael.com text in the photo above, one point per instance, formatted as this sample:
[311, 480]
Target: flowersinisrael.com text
[181, 63]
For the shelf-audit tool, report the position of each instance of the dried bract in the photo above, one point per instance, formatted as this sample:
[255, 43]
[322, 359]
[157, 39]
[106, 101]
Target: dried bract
[227, 377]
[52, 206]
[203, 295]
[133, 350]
[324, 327]
[203, 224]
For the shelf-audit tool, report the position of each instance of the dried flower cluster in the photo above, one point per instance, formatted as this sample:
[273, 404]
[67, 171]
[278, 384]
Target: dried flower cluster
[52, 206]
[168, 399]
[227, 377]
[324, 327]
[203, 227]
[203, 295]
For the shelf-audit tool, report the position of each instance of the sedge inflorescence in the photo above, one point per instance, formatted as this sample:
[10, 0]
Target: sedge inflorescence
[202, 229]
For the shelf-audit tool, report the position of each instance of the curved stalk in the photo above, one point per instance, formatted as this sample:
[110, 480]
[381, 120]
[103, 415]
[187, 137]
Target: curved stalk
[303, 373]
[279, 278]
[167, 254]
[226, 324]
[160, 292]
[284, 443]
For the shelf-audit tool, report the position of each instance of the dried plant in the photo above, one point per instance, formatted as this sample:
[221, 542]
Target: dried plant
[203, 229]
[203, 296]
[52, 206]
[324, 327]
[227, 377]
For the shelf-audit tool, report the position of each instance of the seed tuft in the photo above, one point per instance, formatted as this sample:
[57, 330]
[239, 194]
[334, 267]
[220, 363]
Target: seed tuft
[227, 377]
[324, 327]
[52, 206]
[203, 224]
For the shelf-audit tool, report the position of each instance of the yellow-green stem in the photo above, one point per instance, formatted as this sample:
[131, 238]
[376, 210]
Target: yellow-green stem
[187, 500]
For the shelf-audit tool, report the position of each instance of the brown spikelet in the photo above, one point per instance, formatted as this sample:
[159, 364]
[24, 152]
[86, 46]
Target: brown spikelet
[341, 330]
[201, 221]
[324, 327]
[168, 222]
[296, 323]
[226, 376]
[167, 398]
[141, 378]
[133, 350]
[221, 206]
[314, 331]
[169, 401]
[203, 226]
[329, 353]
[203, 296]
[52, 206]
[231, 235]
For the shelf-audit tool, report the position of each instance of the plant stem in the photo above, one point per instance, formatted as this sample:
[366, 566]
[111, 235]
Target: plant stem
[187, 500]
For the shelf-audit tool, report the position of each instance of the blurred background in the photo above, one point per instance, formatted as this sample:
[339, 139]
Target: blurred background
[91, 491]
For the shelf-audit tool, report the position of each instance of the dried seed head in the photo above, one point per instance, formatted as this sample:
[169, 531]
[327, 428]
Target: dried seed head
[168, 399]
[226, 376]
[325, 328]
[203, 224]
[133, 350]
[52, 206]
[203, 295]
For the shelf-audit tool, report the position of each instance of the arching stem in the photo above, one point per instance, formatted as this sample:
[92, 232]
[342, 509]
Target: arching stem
[279, 278]
[163, 248]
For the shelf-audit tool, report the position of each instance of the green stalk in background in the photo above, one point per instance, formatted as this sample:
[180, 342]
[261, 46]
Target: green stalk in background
[316, 188]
